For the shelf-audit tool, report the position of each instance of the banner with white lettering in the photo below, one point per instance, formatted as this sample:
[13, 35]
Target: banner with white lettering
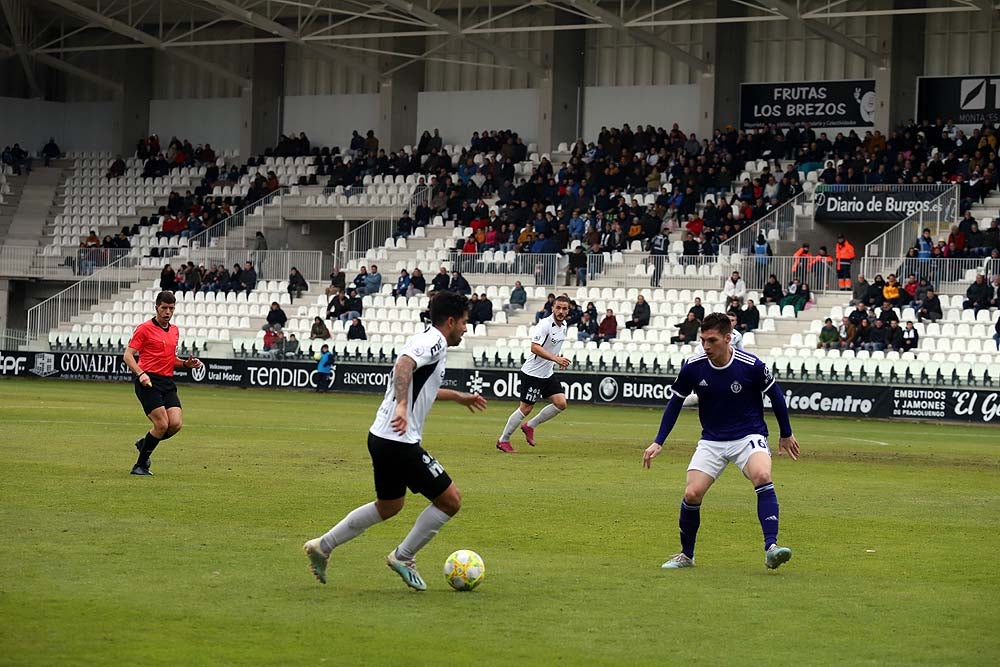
[842, 104]
[882, 203]
[966, 100]
[814, 398]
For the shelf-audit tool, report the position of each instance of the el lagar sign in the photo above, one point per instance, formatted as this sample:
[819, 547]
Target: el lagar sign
[839, 400]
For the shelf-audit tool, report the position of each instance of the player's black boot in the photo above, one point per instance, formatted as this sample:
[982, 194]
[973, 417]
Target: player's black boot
[140, 470]
[138, 448]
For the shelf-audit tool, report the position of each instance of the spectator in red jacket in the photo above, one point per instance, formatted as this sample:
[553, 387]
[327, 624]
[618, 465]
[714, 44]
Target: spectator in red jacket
[608, 330]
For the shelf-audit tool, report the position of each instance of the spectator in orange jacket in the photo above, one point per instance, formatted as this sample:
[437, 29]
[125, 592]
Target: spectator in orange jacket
[820, 266]
[845, 256]
[801, 263]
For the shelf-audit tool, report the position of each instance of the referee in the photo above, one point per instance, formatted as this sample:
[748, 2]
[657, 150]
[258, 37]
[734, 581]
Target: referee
[155, 341]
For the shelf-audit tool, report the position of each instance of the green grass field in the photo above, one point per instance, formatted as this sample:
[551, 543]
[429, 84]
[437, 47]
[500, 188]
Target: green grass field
[895, 528]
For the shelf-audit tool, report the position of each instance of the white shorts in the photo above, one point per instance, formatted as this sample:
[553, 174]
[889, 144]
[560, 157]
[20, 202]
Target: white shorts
[712, 456]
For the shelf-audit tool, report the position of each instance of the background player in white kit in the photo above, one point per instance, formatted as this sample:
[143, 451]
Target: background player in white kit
[730, 385]
[537, 376]
[398, 459]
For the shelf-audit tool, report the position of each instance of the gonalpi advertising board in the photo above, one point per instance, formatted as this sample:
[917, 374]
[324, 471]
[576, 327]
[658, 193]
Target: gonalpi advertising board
[817, 398]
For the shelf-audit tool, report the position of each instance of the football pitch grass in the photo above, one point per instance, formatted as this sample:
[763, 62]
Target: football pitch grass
[895, 529]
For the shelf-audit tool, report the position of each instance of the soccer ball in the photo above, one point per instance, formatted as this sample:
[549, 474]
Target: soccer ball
[464, 570]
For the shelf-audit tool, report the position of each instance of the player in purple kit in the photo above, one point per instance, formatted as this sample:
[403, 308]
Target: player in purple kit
[730, 385]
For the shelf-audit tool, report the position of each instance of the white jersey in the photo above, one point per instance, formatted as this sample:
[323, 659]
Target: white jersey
[737, 342]
[551, 337]
[430, 351]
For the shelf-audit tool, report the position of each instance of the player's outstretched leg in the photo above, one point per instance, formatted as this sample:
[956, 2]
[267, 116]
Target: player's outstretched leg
[550, 411]
[689, 521]
[767, 514]
[145, 446]
[402, 559]
[358, 521]
[516, 417]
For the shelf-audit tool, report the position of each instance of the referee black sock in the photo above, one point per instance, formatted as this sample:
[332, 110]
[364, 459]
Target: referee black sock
[148, 445]
[166, 436]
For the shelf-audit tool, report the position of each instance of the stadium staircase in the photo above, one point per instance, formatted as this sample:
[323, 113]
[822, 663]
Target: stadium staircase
[37, 192]
[10, 197]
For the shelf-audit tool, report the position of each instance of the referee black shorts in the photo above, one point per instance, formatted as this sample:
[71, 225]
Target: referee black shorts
[163, 393]
[534, 389]
[401, 465]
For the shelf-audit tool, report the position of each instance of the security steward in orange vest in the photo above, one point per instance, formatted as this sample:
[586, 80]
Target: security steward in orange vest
[802, 256]
[845, 255]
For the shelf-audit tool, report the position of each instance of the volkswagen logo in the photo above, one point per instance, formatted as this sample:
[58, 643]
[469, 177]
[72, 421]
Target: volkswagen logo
[608, 389]
[198, 373]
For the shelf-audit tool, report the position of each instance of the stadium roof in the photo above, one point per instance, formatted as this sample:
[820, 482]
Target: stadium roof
[336, 28]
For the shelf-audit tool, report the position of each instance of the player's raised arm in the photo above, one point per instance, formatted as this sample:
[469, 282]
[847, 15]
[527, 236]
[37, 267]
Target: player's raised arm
[540, 351]
[474, 402]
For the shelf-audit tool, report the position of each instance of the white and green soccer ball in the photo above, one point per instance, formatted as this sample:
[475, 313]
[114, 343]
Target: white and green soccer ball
[464, 570]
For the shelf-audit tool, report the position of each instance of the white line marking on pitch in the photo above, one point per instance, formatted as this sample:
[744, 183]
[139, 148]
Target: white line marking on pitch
[874, 442]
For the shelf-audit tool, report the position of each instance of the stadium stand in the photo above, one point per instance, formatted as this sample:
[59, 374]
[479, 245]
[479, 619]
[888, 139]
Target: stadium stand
[619, 216]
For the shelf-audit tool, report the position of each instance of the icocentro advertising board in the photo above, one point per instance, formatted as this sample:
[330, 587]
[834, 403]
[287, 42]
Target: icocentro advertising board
[816, 398]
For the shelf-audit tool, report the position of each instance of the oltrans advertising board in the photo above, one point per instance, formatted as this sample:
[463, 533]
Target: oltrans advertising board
[837, 203]
[831, 399]
[840, 104]
[965, 100]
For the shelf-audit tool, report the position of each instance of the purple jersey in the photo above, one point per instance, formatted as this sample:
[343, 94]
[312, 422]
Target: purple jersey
[730, 397]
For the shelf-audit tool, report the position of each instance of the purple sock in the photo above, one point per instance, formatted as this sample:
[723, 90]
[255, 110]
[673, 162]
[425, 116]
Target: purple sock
[767, 513]
[689, 522]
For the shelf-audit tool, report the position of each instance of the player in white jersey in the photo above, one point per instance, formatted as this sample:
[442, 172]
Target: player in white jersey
[394, 439]
[537, 376]
[737, 342]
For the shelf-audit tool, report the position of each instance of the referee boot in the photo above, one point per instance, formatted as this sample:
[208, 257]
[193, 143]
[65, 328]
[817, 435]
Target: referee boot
[138, 447]
[140, 470]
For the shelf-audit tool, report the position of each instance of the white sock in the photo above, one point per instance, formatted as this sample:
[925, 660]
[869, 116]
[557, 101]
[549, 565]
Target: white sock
[352, 525]
[513, 421]
[426, 527]
[548, 412]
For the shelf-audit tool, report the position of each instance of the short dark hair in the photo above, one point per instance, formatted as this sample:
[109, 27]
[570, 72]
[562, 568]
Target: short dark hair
[717, 322]
[562, 298]
[445, 304]
[165, 296]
